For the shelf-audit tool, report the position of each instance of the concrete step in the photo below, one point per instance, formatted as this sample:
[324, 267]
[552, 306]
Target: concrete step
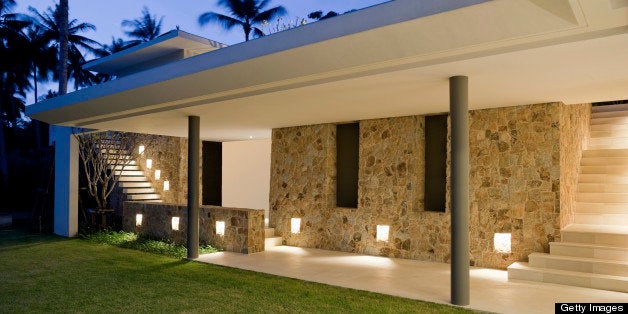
[138, 190]
[608, 143]
[604, 161]
[131, 184]
[133, 179]
[579, 264]
[138, 197]
[121, 162]
[589, 250]
[607, 169]
[606, 235]
[605, 153]
[271, 242]
[602, 208]
[609, 114]
[602, 197]
[601, 219]
[114, 151]
[602, 188]
[523, 271]
[610, 132]
[269, 232]
[602, 178]
[132, 173]
[125, 167]
[606, 108]
[611, 120]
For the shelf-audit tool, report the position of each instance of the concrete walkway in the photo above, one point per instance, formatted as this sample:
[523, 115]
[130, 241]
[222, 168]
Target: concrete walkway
[427, 281]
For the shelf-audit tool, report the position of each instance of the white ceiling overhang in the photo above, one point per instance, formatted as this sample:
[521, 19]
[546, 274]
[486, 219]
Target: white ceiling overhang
[389, 60]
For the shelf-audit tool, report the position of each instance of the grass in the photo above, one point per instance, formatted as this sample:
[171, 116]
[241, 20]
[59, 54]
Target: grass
[53, 274]
[131, 240]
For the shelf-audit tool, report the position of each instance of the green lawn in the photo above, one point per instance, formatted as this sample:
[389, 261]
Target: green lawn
[51, 274]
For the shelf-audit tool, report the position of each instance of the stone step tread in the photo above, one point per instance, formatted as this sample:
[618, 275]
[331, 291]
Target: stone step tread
[609, 114]
[568, 277]
[143, 196]
[578, 259]
[601, 219]
[125, 167]
[611, 120]
[592, 246]
[273, 241]
[135, 184]
[603, 161]
[607, 108]
[622, 152]
[601, 208]
[601, 128]
[139, 190]
[130, 173]
[609, 133]
[602, 178]
[602, 187]
[133, 179]
[606, 169]
[587, 228]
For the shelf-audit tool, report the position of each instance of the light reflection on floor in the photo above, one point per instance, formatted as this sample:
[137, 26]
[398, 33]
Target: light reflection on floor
[428, 281]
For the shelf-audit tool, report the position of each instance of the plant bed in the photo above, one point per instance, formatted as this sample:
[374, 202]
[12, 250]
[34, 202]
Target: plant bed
[130, 240]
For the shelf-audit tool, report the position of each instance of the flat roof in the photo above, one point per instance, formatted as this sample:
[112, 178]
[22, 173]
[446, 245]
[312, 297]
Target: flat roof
[172, 41]
[392, 59]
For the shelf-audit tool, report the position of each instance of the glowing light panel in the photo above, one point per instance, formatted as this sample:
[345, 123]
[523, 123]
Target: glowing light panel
[382, 233]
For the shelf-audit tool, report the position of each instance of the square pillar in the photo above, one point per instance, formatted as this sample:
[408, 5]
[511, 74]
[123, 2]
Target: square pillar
[459, 110]
[66, 182]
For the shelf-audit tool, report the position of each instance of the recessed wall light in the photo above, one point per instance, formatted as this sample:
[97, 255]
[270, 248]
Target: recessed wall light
[138, 219]
[295, 225]
[501, 242]
[141, 149]
[383, 232]
[175, 223]
[166, 185]
[220, 228]
[157, 174]
[149, 163]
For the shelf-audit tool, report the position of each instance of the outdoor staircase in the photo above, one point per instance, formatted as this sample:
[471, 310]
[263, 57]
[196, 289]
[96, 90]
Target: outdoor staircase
[593, 251]
[132, 180]
[270, 239]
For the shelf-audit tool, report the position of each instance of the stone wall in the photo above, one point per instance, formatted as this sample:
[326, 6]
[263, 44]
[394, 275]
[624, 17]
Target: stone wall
[303, 183]
[514, 186]
[574, 138]
[244, 228]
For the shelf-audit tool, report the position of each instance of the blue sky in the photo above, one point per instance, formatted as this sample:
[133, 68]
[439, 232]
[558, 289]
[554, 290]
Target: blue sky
[107, 15]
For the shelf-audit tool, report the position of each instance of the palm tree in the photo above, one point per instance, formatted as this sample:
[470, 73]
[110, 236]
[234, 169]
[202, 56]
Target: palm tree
[318, 15]
[42, 56]
[14, 73]
[145, 28]
[62, 18]
[244, 13]
[52, 30]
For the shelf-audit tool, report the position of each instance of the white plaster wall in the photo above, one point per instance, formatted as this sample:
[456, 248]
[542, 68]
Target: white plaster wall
[246, 174]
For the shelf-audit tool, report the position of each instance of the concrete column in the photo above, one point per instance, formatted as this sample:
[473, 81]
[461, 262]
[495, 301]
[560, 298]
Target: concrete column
[193, 185]
[459, 110]
[66, 182]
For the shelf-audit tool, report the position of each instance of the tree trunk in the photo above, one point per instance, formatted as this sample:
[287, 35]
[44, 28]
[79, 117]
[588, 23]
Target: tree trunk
[63, 46]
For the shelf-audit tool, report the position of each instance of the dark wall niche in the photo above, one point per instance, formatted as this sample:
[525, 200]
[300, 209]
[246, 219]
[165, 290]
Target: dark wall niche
[212, 173]
[348, 147]
[435, 162]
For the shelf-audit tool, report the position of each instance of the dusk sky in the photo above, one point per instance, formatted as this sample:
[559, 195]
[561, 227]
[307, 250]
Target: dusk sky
[107, 15]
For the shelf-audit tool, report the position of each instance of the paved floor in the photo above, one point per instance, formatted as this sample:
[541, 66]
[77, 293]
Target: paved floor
[490, 288]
